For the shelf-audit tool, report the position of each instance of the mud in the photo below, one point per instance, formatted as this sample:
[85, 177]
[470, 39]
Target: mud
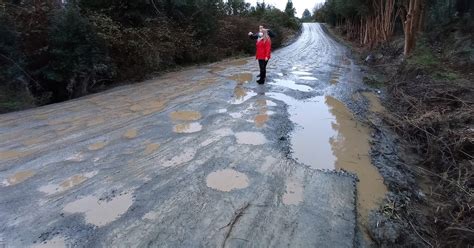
[186, 116]
[250, 138]
[200, 157]
[151, 148]
[242, 77]
[374, 102]
[97, 146]
[227, 180]
[18, 177]
[100, 212]
[130, 134]
[192, 127]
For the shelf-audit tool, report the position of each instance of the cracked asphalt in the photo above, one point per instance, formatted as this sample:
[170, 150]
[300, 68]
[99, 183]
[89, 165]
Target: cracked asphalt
[203, 157]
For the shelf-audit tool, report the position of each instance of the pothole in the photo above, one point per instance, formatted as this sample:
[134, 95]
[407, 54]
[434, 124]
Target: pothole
[97, 146]
[250, 138]
[241, 95]
[291, 85]
[131, 133]
[151, 148]
[227, 180]
[242, 77]
[192, 127]
[67, 184]
[18, 177]
[328, 136]
[100, 212]
[185, 116]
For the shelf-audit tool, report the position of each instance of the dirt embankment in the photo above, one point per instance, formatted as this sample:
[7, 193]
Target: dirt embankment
[424, 144]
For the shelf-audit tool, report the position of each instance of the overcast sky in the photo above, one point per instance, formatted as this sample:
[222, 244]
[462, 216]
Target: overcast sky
[300, 5]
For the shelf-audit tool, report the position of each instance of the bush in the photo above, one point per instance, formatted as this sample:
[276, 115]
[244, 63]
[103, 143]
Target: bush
[78, 59]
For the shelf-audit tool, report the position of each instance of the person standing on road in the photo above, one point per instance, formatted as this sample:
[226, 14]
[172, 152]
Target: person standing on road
[263, 54]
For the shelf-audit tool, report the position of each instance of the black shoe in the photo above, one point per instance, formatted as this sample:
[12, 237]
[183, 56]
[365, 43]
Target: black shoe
[260, 81]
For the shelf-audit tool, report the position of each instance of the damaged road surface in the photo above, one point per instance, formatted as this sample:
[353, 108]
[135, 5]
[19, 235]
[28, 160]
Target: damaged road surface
[198, 158]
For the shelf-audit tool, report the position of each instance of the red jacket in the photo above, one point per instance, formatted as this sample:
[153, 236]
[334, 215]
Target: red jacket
[264, 49]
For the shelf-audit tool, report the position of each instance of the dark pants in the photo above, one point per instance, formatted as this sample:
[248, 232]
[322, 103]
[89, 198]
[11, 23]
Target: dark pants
[263, 69]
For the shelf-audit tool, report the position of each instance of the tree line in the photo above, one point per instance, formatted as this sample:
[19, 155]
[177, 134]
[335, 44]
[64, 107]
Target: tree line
[54, 50]
[374, 22]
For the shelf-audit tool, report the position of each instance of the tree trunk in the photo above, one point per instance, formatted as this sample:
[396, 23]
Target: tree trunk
[412, 22]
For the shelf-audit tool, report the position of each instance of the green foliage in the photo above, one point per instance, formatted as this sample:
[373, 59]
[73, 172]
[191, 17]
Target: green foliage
[77, 57]
[306, 15]
[54, 52]
[423, 57]
[9, 51]
[289, 9]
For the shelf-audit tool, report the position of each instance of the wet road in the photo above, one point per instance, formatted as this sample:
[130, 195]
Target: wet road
[199, 158]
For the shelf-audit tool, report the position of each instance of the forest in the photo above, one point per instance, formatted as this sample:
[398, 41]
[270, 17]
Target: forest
[421, 53]
[53, 50]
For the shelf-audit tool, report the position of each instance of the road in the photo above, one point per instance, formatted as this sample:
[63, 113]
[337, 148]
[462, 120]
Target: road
[203, 157]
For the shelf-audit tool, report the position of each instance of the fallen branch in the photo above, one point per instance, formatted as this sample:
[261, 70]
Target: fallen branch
[238, 213]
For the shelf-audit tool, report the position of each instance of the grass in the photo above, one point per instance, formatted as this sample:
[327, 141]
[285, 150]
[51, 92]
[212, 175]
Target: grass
[424, 58]
[373, 82]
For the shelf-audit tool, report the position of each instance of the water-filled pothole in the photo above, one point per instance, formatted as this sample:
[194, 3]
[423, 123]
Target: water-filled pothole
[100, 212]
[327, 136]
[227, 180]
[291, 85]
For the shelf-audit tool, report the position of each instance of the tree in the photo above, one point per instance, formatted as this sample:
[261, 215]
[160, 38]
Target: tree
[289, 9]
[306, 15]
[412, 12]
[77, 58]
[236, 7]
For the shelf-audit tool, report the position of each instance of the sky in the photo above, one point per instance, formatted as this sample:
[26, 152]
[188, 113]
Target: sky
[300, 5]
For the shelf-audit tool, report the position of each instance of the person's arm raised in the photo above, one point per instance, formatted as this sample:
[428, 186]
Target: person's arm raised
[253, 36]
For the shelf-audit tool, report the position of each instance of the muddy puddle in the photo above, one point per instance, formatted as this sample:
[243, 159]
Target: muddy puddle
[374, 103]
[291, 85]
[262, 117]
[18, 177]
[250, 138]
[241, 95]
[192, 127]
[6, 155]
[100, 212]
[227, 180]
[308, 78]
[185, 116]
[67, 184]
[151, 148]
[327, 136]
[131, 133]
[97, 146]
[242, 78]
[302, 73]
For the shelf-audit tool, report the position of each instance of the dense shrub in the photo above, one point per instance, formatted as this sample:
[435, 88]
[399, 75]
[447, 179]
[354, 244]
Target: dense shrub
[54, 51]
[77, 57]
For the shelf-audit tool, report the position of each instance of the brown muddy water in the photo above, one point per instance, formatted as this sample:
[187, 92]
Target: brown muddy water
[327, 136]
[227, 180]
[100, 212]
